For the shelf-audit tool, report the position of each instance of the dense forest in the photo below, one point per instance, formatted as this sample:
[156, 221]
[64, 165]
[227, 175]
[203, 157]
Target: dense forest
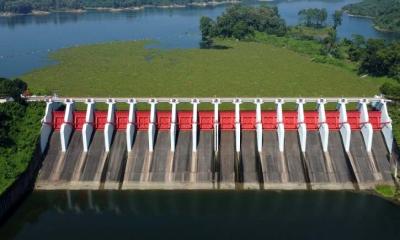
[27, 6]
[19, 131]
[386, 13]
[242, 22]
[313, 17]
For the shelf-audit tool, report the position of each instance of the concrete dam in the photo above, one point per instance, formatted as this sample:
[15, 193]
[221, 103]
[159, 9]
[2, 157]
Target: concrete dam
[196, 149]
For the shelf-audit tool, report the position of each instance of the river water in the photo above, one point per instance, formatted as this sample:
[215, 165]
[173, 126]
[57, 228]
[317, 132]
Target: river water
[26, 41]
[203, 215]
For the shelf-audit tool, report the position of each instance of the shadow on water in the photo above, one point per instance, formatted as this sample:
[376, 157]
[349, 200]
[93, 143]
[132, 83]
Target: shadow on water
[202, 215]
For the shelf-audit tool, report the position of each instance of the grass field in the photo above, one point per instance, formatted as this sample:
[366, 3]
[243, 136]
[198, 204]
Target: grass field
[127, 69]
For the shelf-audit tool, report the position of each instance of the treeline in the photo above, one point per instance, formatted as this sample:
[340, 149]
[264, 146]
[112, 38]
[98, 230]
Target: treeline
[313, 17]
[242, 22]
[137, 3]
[376, 57]
[19, 131]
[386, 13]
[27, 6]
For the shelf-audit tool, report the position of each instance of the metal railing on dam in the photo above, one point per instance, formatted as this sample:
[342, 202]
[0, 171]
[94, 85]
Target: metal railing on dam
[216, 149]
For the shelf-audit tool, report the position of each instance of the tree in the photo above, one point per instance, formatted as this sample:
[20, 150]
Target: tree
[356, 49]
[322, 15]
[313, 17]
[241, 30]
[391, 89]
[331, 47]
[20, 6]
[207, 28]
[12, 88]
[242, 22]
[337, 18]
[373, 60]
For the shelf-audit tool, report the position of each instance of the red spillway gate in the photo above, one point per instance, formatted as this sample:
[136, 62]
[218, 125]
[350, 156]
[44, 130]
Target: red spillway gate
[226, 119]
[58, 119]
[79, 119]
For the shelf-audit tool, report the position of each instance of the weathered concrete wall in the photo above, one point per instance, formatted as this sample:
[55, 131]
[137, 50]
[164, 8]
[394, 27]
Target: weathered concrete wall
[22, 187]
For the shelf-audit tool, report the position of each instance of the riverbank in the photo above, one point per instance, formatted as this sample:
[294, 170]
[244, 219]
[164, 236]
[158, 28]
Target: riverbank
[33, 13]
[389, 193]
[122, 9]
[385, 13]
[376, 27]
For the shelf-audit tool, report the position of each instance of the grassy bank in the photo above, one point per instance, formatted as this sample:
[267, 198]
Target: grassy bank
[242, 69]
[388, 192]
[19, 132]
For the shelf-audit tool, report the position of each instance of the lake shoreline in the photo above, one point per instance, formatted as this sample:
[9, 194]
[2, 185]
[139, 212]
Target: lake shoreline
[377, 28]
[127, 9]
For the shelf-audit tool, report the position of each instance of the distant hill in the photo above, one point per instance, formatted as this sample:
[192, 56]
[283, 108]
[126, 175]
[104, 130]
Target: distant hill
[386, 13]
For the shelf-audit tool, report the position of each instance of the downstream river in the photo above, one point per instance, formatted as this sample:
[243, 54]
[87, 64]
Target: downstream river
[26, 41]
[203, 215]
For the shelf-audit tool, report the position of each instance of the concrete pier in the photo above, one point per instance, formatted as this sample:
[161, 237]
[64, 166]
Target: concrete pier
[381, 156]
[315, 160]
[72, 157]
[135, 161]
[182, 157]
[341, 165]
[360, 158]
[296, 167]
[53, 154]
[227, 160]
[205, 159]
[114, 169]
[160, 157]
[96, 158]
[250, 162]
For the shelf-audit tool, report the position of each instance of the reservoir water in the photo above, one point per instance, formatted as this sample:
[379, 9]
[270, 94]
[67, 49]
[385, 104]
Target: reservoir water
[26, 41]
[203, 215]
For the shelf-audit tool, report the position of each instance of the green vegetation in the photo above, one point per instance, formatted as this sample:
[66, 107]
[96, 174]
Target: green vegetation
[313, 17]
[241, 22]
[380, 59]
[392, 91]
[394, 112]
[337, 18]
[19, 131]
[27, 6]
[386, 13]
[242, 69]
[12, 88]
[308, 33]
[387, 191]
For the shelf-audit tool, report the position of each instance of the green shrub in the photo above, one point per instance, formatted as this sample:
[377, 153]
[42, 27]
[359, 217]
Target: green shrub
[391, 89]
[386, 190]
[19, 132]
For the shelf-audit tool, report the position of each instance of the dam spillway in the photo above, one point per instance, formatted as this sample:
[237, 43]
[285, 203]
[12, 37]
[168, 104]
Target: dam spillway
[196, 149]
